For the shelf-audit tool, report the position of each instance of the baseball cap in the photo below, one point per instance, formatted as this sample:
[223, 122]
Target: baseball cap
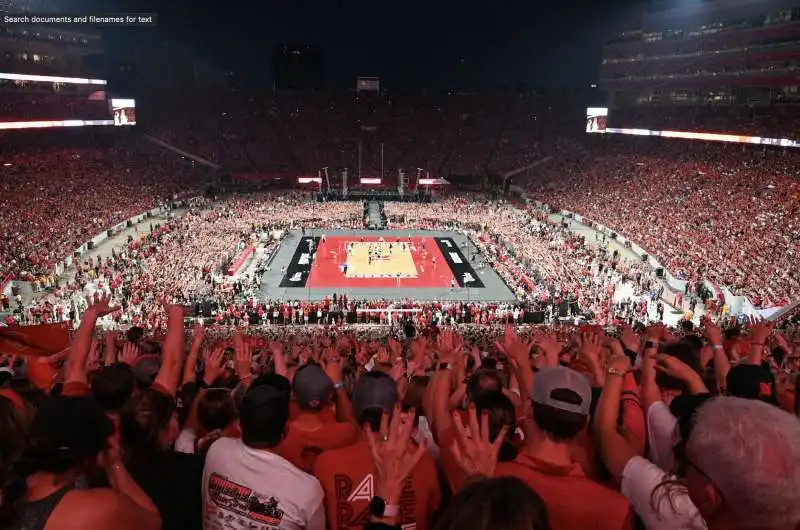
[261, 395]
[375, 390]
[76, 425]
[312, 386]
[751, 381]
[264, 411]
[550, 380]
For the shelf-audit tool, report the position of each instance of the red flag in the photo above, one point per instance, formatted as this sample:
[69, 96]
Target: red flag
[39, 341]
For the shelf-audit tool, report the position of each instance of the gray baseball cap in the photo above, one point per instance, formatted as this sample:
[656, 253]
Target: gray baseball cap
[312, 387]
[546, 381]
[375, 390]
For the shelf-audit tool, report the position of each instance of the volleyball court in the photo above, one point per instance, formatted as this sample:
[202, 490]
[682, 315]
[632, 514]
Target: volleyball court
[379, 261]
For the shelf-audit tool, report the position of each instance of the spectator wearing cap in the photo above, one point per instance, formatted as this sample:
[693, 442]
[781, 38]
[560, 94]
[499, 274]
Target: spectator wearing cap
[248, 472]
[751, 381]
[562, 399]
[312, 430]
[68, 436]
[346, 474]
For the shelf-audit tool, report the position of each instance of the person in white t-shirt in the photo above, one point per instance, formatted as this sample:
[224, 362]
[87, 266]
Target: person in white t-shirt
[738, 464]
[246, 485]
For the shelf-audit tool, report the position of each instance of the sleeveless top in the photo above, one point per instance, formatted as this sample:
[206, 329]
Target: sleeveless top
[33, 515]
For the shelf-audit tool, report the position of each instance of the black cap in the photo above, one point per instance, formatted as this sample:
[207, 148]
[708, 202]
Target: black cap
[261, 395]
[73, 424]
[751, 381]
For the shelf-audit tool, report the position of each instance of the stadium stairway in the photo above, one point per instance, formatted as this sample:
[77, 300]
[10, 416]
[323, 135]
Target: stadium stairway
[374, 214]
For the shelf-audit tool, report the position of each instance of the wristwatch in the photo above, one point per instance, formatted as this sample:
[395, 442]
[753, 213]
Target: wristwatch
[337, 386]
[379, 508]
[614, 371]
[651, 344]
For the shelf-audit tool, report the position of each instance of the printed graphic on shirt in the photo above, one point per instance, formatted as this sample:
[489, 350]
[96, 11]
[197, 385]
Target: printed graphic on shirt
[242, 501]
[352, 503]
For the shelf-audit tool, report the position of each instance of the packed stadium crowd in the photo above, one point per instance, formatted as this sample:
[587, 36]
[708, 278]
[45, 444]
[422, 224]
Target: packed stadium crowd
[285, 414]
[726, 215]
[54, 199]
[423, 427]
[454, 134]
[36, 107]
[188, 258]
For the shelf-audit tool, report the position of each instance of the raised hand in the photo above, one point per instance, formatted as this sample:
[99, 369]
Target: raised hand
[419, 348]
[393, 456]
[621, 363]
[243, 355]
[629, 338]
[674, 367]
[333, 365]
[711, 332]
[396, 348]
[474, 452]
[513, 346]
[198, 332]
[656, 331]
[93, 361]
[448, 344]
[760, 330]
[398, 370]
[100, 306]
[383, 356]
[213, 362]
[130, 352]
[589, 347]
[549, 345]
[782, 343]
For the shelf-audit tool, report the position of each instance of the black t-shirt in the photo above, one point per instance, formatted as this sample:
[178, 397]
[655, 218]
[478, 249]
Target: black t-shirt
[173, 481]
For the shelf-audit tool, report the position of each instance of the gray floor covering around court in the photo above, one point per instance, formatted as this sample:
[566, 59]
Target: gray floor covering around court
[494, 288]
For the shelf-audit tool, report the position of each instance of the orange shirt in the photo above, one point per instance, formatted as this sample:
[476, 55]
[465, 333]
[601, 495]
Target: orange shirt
[327, 414]
[347, 479]
[452, 470]
[573, 500]
[302, 448]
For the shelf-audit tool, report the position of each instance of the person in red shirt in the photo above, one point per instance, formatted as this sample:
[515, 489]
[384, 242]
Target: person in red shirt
[347, 474]
[561, 403]
[311, 431]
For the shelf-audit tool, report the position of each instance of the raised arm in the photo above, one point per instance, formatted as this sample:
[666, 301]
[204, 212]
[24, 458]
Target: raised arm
[615, 450]
[75, 373]
[170, 372]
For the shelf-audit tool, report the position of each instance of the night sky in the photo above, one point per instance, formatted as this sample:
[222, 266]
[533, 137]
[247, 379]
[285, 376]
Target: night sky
[436, 44]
